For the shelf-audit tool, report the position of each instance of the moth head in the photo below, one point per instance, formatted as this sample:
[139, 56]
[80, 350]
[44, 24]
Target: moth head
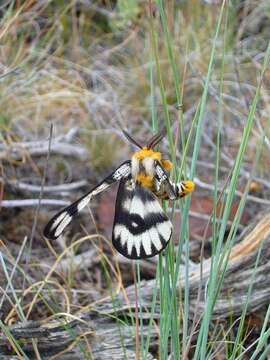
[147, 152]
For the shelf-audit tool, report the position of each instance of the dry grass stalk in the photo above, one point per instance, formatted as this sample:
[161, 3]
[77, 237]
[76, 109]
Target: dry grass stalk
[97, 320]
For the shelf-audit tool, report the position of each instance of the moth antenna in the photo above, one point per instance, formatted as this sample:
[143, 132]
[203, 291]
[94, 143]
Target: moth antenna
[156, 138]
[133, 141]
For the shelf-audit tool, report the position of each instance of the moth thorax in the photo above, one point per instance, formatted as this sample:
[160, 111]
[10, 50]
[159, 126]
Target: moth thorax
[148, 165]
[145, 166]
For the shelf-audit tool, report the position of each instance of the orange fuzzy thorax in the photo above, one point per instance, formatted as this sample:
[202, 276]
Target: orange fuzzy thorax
[146, 179]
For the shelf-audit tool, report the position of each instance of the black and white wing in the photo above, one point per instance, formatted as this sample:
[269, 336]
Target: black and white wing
[163, 183]
[141, 228]
[58, 223]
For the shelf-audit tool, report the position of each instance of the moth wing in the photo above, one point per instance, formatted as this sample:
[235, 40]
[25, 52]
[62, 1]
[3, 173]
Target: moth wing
[163, 181]
[141, 227]
[58, 223]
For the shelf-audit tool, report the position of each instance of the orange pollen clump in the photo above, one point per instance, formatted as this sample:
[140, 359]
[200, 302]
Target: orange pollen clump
[144, 152]
[166, 164]
[145, 180]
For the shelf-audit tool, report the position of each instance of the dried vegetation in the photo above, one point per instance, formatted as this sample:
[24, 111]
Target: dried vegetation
[85, 68]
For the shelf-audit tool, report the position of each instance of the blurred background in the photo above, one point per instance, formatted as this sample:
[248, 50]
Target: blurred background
[88, 68]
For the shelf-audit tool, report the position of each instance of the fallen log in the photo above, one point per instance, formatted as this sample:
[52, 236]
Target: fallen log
[108, 328]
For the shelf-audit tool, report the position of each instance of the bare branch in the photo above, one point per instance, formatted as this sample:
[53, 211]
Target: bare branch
[19, 185]
[32, 202]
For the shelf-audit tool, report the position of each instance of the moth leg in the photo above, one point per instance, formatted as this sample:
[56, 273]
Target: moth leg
[58, 223]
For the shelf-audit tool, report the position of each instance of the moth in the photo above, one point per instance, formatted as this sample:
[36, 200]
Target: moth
[141, 227]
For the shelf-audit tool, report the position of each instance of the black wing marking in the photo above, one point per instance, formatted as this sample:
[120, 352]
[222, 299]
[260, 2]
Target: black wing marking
[141, 228]
[58, 223]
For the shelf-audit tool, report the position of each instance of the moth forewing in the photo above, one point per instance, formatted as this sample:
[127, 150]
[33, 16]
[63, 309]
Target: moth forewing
[163, 183]
[59, 222]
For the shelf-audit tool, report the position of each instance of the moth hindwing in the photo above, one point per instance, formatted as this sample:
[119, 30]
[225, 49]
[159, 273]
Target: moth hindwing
[141, 228]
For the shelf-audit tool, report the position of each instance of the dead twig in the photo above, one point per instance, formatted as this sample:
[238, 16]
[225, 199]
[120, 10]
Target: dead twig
[32, 202]
[19, 185]
[60, 145]
[17, 151]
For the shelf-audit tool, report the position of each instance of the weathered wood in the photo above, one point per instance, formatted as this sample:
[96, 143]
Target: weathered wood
[109, 338]
[60, 146]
